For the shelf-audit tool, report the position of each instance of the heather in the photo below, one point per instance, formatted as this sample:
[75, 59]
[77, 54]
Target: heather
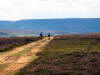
[7, 44]
[67, 56]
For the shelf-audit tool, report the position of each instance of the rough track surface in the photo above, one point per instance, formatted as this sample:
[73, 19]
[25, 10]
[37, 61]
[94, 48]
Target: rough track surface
[17, 62]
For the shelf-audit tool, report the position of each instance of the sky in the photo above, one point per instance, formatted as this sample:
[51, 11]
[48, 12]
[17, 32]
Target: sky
[48, 9]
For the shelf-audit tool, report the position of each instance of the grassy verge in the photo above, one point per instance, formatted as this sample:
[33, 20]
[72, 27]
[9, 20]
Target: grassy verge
[22, 53]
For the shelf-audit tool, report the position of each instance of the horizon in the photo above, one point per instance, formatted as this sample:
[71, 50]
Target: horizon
[47, 19]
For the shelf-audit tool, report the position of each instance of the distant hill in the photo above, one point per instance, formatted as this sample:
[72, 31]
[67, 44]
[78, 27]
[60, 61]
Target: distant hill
[2, 34]
[72, 25]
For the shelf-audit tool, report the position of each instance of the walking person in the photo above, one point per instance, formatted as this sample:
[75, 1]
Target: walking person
[41, 36]
[49, 36]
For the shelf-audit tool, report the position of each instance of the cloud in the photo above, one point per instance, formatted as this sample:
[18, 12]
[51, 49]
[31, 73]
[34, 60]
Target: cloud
[25, 9]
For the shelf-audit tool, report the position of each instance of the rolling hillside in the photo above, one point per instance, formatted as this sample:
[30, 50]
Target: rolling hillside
[2, 34]
[72, 25]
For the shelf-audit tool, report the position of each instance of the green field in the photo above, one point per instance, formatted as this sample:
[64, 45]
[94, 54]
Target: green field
[67, 56]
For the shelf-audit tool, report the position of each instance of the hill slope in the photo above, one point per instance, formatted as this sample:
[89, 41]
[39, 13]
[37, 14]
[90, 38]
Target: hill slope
[71, 25]
[2, 34]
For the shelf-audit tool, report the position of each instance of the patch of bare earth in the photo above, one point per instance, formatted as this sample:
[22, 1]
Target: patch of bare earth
[18, 62]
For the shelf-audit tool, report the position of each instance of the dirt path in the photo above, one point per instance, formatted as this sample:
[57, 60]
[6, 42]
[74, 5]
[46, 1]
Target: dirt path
[19, 57]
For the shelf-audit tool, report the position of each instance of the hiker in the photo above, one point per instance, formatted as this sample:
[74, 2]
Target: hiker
[49, 36]
[41, 35]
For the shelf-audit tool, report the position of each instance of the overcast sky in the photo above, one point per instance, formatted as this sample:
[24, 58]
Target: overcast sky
[38, 9]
